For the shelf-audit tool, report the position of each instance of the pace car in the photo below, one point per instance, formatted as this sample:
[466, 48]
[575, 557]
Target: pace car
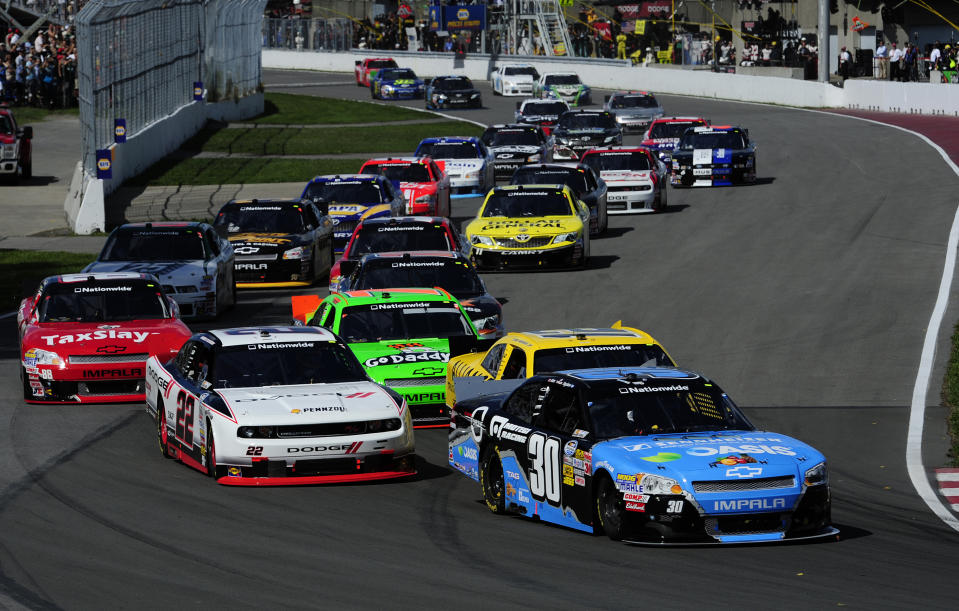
[266, 406]
[544, 113]
[530, 226]
[351, 198]
[580, 130]
[634, 110]
[85, 338]
[193, 262]
[16, 146]
[395, 84]
[277, 242]
[516, 144]
[403, 338]
[663, 134]
[365, 69]
[585, 183]
[564, 86]
[646, 455]
[424, 184]
[716, 155]
[528, 353]
[636, 179]
[450, 271]
[513, 79]
[396, 234]
[466, 159]
[452, 91]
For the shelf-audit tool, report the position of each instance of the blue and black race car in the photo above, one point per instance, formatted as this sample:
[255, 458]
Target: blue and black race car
[395, 84]
[351, 198]
[453, 91]
[646, 455]
[714, 155]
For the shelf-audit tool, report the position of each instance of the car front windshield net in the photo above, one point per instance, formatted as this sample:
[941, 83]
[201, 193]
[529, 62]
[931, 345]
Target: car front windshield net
[571, 177]
[607, 161]
[587, 120]
[310, 362]
[711, 140]
[634, 101]
[102, 301]
[448, 150]
[562, 79]
[455, 276]
[401, 172]
[586, 357]
[514, 137]
[454, 84]
[263, 218]
[386, 321]
[519, 204]
[545, 108]
[671, 130]
[154, 244]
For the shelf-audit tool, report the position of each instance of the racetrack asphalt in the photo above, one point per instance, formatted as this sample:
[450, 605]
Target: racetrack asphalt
[805, 296]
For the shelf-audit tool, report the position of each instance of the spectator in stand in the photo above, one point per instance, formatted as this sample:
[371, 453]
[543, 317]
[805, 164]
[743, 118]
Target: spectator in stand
[724, 57]
[882, 59]
[776, 55]
[895, 55]
[845, 64]
[934, 56]
[767, 54]
[910, 62]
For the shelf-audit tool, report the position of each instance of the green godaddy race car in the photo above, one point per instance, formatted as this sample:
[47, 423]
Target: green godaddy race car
[404, 339]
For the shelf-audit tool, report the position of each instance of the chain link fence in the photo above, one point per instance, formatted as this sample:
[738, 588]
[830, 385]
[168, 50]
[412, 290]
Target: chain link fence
[308, 34]
[138, 60]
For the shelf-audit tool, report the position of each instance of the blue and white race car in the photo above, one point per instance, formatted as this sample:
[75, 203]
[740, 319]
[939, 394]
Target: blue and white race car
[468, 162]
[351, 198]
[646, 455]
[714, 155]
[395, 84]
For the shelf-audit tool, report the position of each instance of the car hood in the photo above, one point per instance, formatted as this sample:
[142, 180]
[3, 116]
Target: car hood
[527, 149]
[537, 118]
[637, 113]
[160, 337]
[339, 212]
[168, 272]
[518, 78]
[403, 82]
[403, 358]
[263, 241]
[460, 166]
[536, 226]
[309, 403]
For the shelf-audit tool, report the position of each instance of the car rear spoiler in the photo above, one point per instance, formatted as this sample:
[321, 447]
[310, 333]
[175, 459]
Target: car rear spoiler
[304, 306]
[472, 387]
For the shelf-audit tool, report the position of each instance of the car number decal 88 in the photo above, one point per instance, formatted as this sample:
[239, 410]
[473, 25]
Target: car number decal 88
[544, 473]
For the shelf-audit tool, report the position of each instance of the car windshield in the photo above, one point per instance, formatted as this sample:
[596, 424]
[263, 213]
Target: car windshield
[154, 244]
[711, 140]
[573, 178]
[453, 84]
[586, 120]
[513, 137]
[671, 130]
[345, 191]
[633, 101]
[396, 74]
[585, 357]
[455, 276]
[662, 407]
[448, 150]
[399, 237]
[385, 321]
[526, 203]
[517, 70]
[261, 218]
[607, 161]
[545, 108]
[401, 172]
[562, 79]
[102, 301]
[6, 125]
[308, 362]
[376, 64]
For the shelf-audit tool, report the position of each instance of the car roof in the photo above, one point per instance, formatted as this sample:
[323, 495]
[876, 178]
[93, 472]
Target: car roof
[404, 220]
[419, 254]
[518, 126]
[632, 92]
[392, 295]
[560, 74]
[435, 139]
[567, 165]
[533, 187]
[586, 336]
[98, 276]
[241, 336]
[624, 148]
[253, 203]
[679, 119]
[347, 178]
[424, 159]
[716, 128]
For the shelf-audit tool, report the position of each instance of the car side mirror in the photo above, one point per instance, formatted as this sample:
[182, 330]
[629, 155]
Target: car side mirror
[27, 132]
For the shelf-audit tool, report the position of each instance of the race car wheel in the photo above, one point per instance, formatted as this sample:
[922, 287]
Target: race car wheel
[211, 467]
[491, 481]
[372, 92]
[162, 431]
[609, 509]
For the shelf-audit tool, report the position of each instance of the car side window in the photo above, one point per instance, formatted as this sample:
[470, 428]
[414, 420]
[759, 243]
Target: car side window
[560, 412]
[309, 215]
[515, 365]
[590, 181]
[185, 358]
[520, 404]
[493, 358]
[212, 242]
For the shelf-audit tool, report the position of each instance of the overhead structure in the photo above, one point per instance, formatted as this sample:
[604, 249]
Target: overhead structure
[529, 22]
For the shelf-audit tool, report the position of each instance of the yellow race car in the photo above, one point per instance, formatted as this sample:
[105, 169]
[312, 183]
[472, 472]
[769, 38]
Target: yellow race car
[529, 353]
[529, 226]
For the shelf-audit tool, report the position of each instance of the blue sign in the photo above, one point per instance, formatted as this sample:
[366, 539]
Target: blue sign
[436, 17]
[454, 18]
[198, 91]
[119, 131]
[104, 164]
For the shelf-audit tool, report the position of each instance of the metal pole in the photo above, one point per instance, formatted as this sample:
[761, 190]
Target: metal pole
[712, 40]
[823, 41]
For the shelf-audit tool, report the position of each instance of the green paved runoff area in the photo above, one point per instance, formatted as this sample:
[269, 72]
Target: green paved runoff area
[950, 395]
[25, 115]
[22, 271]
[224, 155]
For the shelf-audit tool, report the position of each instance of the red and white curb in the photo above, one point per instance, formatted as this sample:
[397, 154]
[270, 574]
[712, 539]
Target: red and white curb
[949, 486]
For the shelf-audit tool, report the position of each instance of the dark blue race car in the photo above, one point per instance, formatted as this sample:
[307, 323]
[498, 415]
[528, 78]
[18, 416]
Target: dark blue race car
[648, 455]
[714, 155]
[351, 198]
[395, 84]
[454, 91]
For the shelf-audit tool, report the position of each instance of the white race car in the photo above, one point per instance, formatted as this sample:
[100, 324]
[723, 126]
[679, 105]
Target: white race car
[513, 79]
[468, 162]
[635, 179]
[267, 406]
[191, 260]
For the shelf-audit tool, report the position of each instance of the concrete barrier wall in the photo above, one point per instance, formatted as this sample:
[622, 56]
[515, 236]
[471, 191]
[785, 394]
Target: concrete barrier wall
[888, 96]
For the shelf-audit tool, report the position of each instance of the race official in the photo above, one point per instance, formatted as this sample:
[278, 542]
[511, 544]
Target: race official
[894, 56]
[882, 58]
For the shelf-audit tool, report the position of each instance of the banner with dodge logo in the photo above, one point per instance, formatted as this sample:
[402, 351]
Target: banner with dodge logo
[660, 9]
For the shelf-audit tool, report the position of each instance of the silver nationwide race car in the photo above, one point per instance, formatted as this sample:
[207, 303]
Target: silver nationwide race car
[263, 406]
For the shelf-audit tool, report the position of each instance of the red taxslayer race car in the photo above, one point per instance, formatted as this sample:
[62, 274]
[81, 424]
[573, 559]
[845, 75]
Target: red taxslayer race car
[423, 182]
[366, 69]
[85, 338]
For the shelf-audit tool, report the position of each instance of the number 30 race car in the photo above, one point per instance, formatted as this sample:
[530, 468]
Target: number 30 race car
[647, 455]
[277, 406]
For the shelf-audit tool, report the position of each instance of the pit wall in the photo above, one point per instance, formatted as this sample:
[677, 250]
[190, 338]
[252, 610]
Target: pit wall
[924, 98]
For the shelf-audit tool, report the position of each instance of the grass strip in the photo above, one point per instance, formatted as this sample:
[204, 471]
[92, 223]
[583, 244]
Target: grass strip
[950, 395]
[289, 108]
[221, 171]
[22, 270]
[324, 141]
[25, 115]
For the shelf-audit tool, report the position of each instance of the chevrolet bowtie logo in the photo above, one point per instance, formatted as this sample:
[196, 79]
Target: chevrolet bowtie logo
[429, 371]
[744, 471]
[111, 349]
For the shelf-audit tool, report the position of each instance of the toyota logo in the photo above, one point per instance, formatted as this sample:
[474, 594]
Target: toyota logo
[522, 237]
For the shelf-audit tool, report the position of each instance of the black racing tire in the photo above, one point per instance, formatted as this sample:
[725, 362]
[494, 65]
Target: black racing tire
[492, 482]
[610, 511]
[163, 439]
[372, 92]
[26, 171]
[211, 466]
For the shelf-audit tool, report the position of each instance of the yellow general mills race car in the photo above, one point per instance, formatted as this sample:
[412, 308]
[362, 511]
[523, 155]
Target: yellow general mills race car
[529, 226]
[521, 355]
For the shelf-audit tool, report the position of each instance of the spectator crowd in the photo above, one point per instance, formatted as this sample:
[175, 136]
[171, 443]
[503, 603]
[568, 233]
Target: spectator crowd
[40, 70]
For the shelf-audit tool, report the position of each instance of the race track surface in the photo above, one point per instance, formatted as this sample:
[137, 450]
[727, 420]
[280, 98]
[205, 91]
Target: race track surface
[805, 296]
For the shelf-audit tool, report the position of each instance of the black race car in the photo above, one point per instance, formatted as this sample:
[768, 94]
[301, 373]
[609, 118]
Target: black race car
[544, 113]
[516, 144]
[453, 91]
[580, 130]
[582, 179]
[451, 271]
[278, 242]
[714, 155]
